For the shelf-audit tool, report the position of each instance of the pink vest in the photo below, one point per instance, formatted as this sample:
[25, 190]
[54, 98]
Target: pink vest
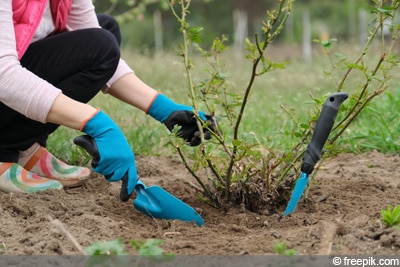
[27, 15]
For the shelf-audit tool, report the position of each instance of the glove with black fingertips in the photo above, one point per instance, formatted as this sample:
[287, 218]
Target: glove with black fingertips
[172, 114]
[111, 153]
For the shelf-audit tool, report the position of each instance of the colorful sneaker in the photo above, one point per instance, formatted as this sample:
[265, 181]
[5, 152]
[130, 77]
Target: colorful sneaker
[14, 178]
[45, 164]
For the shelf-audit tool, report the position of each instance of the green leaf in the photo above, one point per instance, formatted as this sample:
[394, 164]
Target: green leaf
[391, 217]
[149, 247]
[304, 126]
[218, 44]
[387, 10]
[340, 56]
[113, 247]
[326, 44]
[236, 142]
[195, 34]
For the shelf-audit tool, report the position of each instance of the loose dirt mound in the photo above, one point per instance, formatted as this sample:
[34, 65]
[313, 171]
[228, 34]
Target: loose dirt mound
[340, 216]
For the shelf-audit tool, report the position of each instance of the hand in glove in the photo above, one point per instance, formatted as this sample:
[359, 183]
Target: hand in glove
[112, 155]
[170, 113]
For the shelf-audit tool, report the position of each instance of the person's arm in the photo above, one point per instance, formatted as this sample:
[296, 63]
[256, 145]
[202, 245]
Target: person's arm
[82, 15]
[30, 96]
[130, 89]
[113, 157]
[68, 112]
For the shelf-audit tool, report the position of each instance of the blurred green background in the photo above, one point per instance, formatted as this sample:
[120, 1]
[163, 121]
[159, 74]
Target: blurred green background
[148, 25]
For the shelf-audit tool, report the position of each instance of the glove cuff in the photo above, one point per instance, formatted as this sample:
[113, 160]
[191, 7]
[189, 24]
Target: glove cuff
[88, 119]
[97, 124]
[162, 107]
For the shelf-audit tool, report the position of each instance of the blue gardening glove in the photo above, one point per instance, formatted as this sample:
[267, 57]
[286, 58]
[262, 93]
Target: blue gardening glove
[170, 114]
[112, 155]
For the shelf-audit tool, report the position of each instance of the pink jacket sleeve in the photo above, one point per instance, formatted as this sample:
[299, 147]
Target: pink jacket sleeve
[20, 89]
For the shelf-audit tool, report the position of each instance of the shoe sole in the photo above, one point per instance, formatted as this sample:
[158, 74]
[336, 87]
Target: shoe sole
[71, 183]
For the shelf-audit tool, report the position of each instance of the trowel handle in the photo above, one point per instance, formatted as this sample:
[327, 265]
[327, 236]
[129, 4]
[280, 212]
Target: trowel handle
[322, 130]
[139, 183]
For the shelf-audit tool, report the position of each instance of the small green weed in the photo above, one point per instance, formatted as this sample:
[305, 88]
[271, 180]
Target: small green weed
[281, 249]
[149, 249]
[391, 217]
[112, 247]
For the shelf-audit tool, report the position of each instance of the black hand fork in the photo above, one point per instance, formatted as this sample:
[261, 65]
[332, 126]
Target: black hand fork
[314, 149]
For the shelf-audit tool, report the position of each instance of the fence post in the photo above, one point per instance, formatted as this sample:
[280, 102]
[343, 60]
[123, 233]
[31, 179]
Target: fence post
[307, 49]
[240, 28]
[158, 37]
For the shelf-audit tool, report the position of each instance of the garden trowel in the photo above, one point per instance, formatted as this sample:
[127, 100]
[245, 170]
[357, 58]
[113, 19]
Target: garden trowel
[152, 201]
[313, 152]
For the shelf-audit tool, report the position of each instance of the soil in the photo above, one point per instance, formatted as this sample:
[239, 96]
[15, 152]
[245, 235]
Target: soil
[340, 216]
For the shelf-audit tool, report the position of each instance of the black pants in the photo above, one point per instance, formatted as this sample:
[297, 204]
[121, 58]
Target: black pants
[78, 62]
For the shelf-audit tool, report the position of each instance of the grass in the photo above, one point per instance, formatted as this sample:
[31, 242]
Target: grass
[376, 129]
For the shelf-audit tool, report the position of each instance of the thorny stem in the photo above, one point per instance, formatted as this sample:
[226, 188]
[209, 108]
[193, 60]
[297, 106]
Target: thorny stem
[188, 67]
[207, 192]
[185, 55]
[367, 83]
[214, 171]
[363, 53]
[359, 105]
[355, 114]
[288, 166]
[340, 86]
[269, 35]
